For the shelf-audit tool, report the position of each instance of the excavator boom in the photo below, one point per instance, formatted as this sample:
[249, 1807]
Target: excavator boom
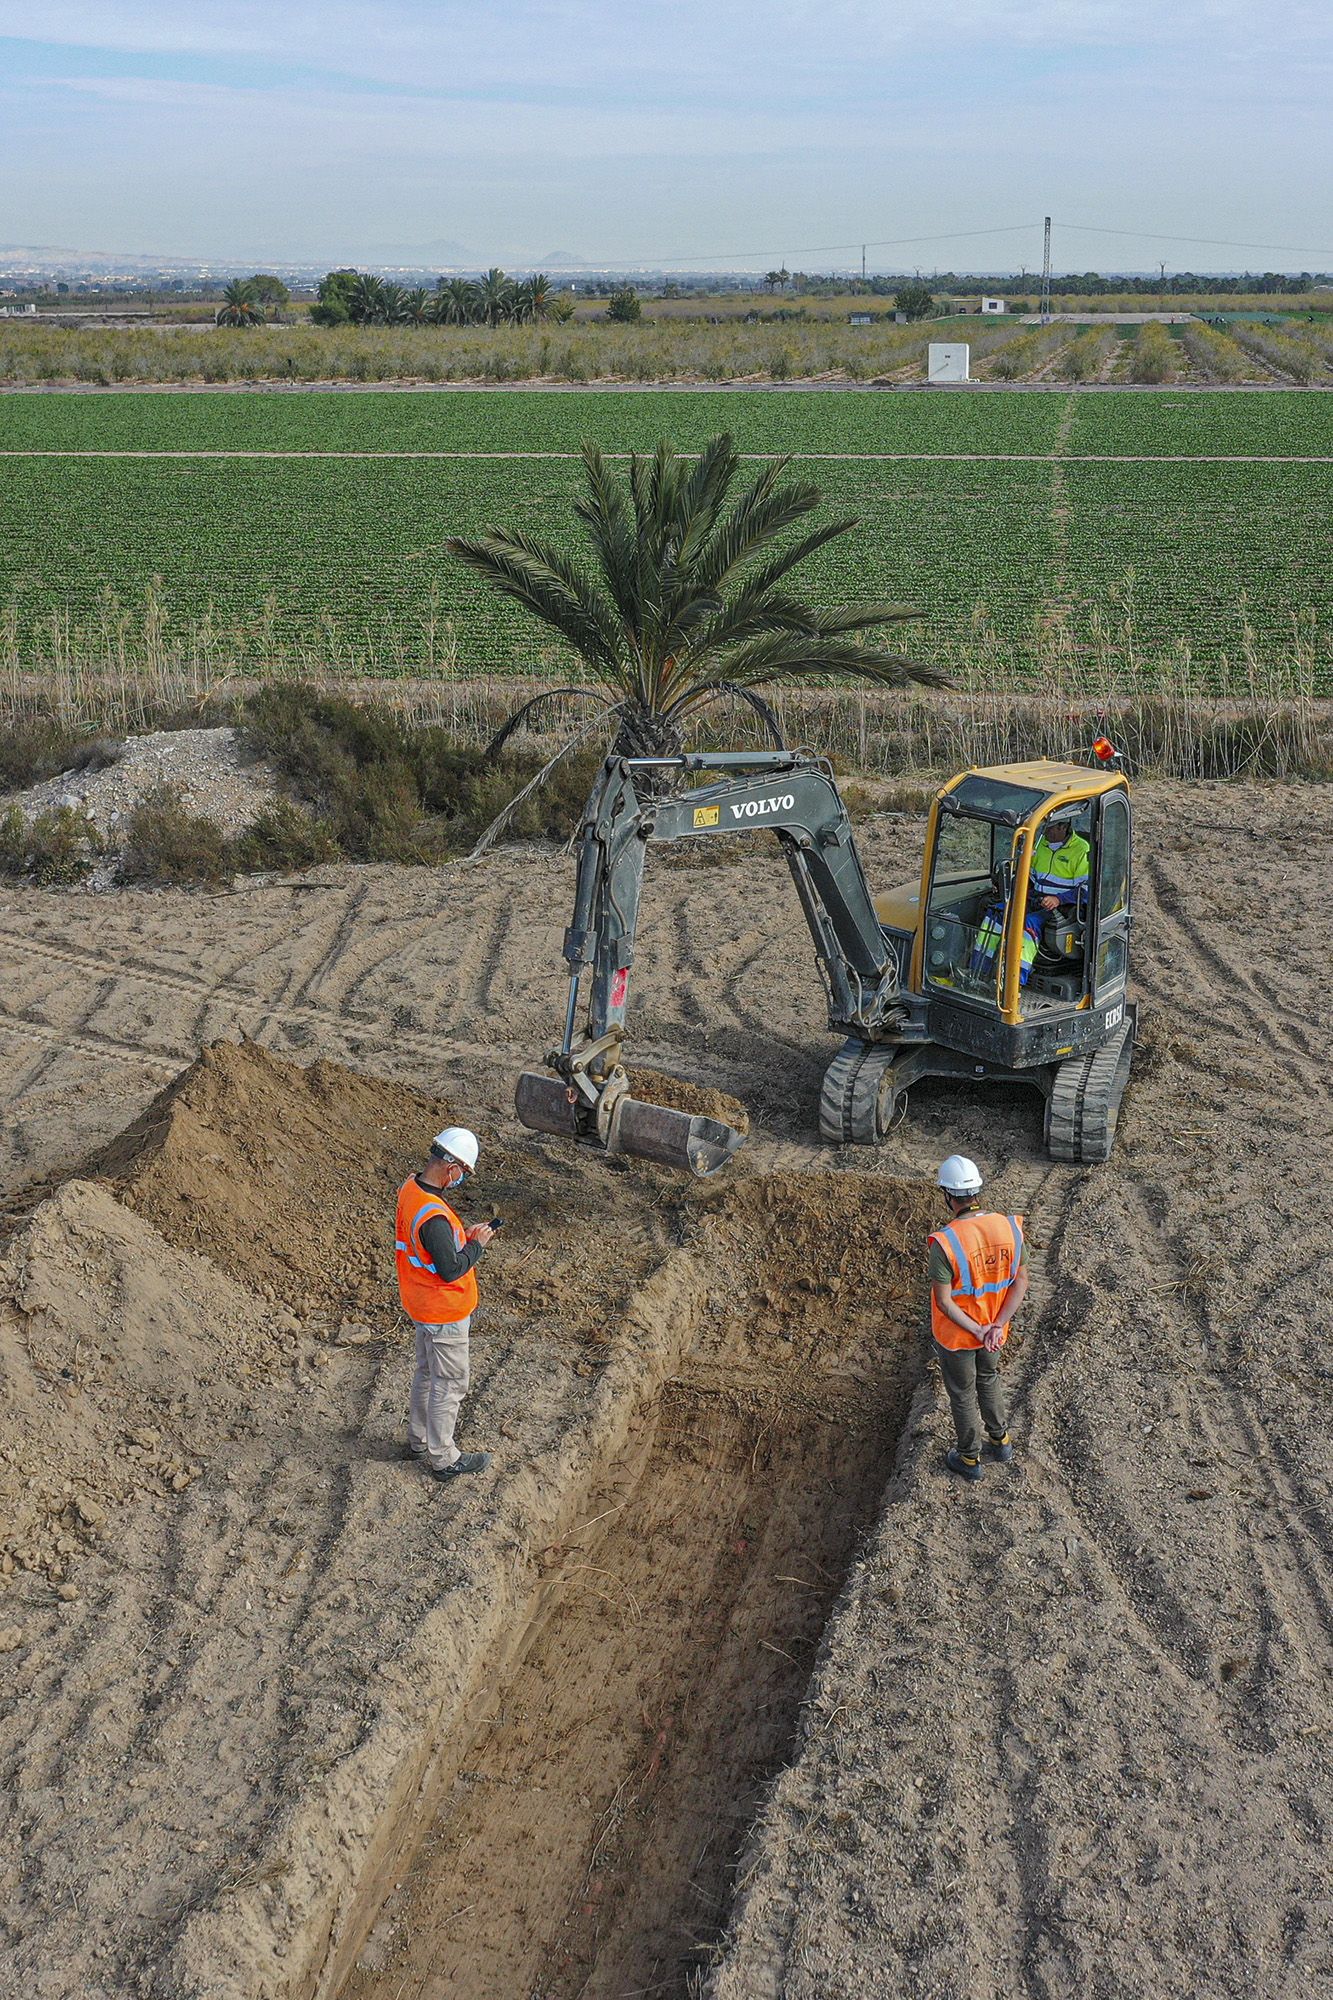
[789, 793]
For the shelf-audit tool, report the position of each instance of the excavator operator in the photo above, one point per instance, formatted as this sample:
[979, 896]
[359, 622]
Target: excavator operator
[1058, 880]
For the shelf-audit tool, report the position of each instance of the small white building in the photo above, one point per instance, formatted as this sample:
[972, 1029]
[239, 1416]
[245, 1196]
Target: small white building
[860, 319]
[948, 361]
[992, 305]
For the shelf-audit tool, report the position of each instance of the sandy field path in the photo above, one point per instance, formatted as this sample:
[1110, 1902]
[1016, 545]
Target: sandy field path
[1064, 1735]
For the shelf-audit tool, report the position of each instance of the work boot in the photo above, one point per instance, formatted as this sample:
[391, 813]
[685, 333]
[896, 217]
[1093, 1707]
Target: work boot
[967, 1468]
[471, 1461]
[1000, 1449]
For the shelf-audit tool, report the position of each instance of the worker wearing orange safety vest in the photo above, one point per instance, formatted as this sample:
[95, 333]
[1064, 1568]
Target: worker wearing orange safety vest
[437, 1283]
[978, 1280]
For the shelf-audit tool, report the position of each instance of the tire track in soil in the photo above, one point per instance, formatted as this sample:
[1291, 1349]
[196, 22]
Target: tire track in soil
[407, 934]
[1290, 1500]
[1226, 975]
[329, 953]
[244, 999]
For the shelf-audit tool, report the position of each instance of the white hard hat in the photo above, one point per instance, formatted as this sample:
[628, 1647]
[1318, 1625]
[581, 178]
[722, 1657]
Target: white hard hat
[461, 1145]
[959, 1176]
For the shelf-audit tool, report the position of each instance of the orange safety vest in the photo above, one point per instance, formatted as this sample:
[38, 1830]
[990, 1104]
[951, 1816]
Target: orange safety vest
[984, 1252]
[425, 1295]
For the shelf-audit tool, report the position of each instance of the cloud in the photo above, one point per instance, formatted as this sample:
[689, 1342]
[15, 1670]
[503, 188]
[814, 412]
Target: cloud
[620, 126]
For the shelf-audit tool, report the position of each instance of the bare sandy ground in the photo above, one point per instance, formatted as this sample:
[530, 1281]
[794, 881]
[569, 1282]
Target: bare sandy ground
[1065, 1733]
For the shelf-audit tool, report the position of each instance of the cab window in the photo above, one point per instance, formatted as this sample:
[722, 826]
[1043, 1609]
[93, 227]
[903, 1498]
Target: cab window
[1113, 872]
[962, 856]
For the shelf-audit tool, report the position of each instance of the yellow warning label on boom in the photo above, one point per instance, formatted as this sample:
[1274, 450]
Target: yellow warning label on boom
[706, 815]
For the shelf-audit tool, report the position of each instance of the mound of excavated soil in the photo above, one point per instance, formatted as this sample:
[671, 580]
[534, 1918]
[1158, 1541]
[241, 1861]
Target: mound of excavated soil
[118, 1357]
[284, 1177]
[674, 1093]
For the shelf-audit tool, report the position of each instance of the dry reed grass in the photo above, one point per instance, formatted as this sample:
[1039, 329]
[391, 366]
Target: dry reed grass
[122, 672]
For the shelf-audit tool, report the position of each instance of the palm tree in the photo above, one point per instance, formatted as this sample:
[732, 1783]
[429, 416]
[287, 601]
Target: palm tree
[539, 295]
[417, 307]
[239, 305]
[393, 305]
[365, 300]
[456, 302]
[688, 603]
[495, 292]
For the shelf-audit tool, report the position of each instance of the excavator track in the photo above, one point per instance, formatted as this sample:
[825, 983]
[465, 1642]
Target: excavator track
[1084, 1103]
[851, 1102]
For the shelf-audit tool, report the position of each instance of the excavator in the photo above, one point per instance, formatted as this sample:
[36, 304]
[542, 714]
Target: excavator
[938, 977]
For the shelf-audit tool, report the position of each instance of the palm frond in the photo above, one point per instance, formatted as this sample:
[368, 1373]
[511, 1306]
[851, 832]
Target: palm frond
[863, 617]
[514, 722]
[605, 513]
[790, 656]
[758, 519]
[541, 580]
[703, 495]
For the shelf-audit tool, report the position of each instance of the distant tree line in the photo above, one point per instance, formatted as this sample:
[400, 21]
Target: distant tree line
[1089, 284]
[358, 298]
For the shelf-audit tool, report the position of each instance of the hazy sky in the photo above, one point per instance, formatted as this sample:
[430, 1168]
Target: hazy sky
[680, 131]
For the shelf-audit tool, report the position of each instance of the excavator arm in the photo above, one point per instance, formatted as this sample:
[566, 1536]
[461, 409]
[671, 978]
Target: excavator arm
[789, 793]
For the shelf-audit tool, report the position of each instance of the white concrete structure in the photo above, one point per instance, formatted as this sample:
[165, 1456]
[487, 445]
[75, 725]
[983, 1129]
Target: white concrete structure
[992, 305]
[1111, 319]
[948, 361]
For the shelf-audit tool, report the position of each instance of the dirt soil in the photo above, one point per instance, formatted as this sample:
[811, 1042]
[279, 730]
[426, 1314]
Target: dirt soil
[280, 1719]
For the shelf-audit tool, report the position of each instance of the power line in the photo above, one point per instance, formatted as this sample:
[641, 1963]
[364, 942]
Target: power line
[715, 257]
[1211, 242]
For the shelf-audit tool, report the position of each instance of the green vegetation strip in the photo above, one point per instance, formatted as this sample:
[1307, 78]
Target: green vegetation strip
[966, 506]
[528, 421]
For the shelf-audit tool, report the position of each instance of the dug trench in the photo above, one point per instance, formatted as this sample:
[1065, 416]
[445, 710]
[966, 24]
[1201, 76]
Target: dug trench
[300, 1723]
[588, 1843]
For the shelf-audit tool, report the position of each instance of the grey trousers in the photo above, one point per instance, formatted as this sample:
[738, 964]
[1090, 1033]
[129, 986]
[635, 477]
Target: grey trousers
[972, 1379]
[438, 1387]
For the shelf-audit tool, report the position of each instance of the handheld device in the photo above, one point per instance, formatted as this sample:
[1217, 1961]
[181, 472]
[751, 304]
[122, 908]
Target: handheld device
[496, 1222]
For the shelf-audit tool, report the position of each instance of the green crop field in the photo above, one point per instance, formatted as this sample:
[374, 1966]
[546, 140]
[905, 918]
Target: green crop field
[999, 516]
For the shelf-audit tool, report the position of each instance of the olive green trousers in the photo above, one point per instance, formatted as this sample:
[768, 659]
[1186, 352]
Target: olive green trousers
[972, 1380]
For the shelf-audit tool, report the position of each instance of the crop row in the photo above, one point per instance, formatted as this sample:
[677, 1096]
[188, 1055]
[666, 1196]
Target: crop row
[518, 420]
[347, 556]
[1280, 423]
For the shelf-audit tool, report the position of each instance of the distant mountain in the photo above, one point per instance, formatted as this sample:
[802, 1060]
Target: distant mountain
[561, 260]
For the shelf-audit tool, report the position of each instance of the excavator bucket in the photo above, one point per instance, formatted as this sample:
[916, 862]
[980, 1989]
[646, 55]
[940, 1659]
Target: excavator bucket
[546, 1104]
[696, 1144]
[673, 1138]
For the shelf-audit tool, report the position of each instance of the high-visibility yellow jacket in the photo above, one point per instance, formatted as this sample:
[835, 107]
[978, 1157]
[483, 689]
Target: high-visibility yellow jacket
[1060, 871]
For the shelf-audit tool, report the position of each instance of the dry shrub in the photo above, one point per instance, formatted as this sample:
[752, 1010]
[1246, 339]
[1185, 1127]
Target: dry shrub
[55, 850]
[284, 837]
[388, 791]
[33, 747]
[165, 843]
